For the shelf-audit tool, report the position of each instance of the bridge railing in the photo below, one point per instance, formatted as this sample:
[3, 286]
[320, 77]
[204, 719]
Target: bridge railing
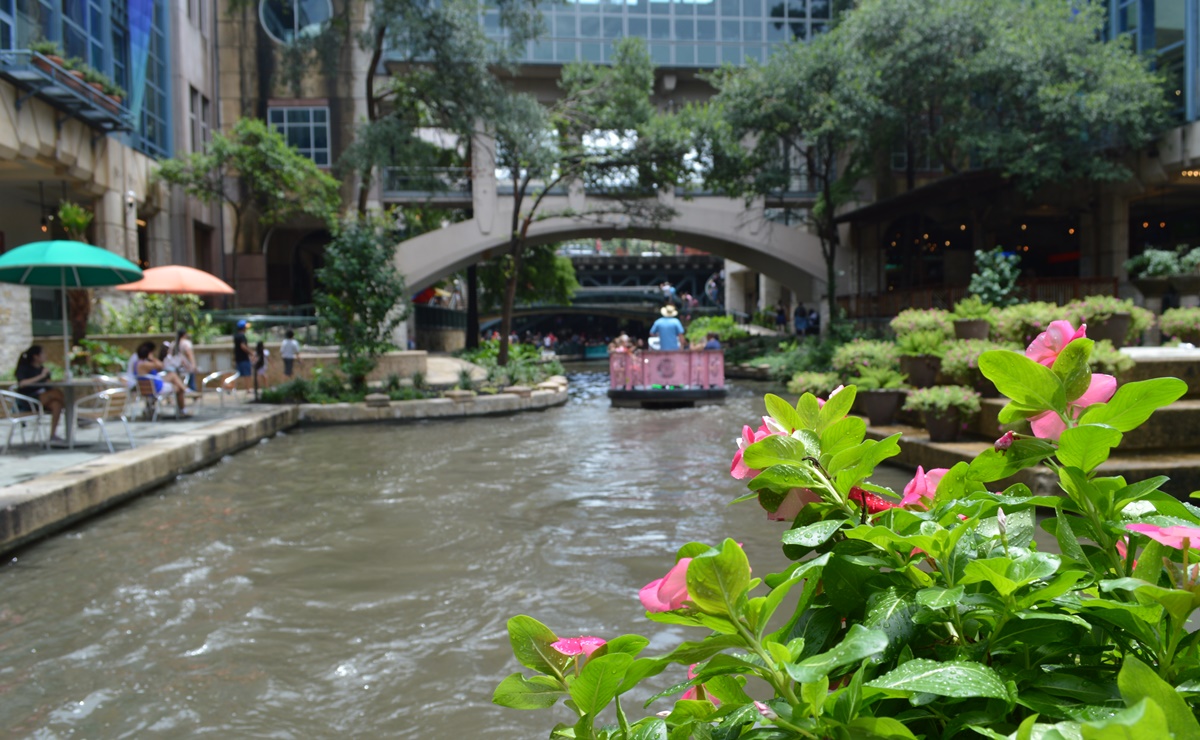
[399, 182]
[682, 369]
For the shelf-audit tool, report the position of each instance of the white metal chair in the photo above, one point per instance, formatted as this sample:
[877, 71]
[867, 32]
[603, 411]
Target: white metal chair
[223, 382]
[21, 412]
[100, 408]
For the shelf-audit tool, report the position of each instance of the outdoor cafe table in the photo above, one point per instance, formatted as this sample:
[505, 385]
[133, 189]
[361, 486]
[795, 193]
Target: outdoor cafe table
[71, 390]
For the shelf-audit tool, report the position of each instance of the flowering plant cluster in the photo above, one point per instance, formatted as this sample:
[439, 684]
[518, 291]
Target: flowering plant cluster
[961, 360]
[1181, 323]
[928, 614]
[923, 319]
[851, 358]
[1095, 308]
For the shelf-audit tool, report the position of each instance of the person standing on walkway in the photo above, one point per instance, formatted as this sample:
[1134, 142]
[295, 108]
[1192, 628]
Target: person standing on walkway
[668, 329]
[242, 356]
[289, 350]
[781, 318]
[800, 317]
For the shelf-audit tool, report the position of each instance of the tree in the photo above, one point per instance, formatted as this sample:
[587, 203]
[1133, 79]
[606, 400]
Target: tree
[546, 277]
[802, 115]
[263, 180]
[75, 220]
[361, 298]
[604, 135]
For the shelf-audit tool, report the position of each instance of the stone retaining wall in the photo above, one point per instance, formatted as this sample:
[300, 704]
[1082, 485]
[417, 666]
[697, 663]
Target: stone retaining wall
[461, 403]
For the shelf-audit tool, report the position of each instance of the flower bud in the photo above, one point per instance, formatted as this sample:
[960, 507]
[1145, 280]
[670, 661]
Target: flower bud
[1002, 520]
[1005, 442]
[765, 711]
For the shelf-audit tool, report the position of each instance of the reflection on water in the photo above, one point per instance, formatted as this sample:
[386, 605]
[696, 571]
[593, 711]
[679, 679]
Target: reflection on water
[357, 580]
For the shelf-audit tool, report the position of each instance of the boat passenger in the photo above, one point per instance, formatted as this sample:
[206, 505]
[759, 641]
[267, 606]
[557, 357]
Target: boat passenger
[714, 341]
[668, 329]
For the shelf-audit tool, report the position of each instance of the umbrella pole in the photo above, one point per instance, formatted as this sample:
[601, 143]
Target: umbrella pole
[65, 324]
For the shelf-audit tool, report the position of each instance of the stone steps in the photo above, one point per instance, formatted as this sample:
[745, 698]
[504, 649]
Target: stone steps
[1174, 427]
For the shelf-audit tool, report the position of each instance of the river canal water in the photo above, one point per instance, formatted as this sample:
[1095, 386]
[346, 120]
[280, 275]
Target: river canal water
[355, 581]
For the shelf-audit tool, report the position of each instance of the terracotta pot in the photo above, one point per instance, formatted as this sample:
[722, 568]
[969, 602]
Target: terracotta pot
[943, 427]
[54, 58]
[922, 370]
[1115, 329]
[972, 328]
[1152, 287]
[880, 406]
[1188, 284]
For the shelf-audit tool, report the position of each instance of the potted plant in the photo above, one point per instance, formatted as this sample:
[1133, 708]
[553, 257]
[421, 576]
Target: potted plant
[973, 318]
[995, 277]
[960, 363]
[946, 409]
[1108, 317]
[818, 384]
[1187, 281]
[880, 392]
[1021, 323]
[1182, 323]
[48, 49]
[923, 319]
[1109, 360]
[95, 79]
[1151, 270]
[851, 358]
[921, 356]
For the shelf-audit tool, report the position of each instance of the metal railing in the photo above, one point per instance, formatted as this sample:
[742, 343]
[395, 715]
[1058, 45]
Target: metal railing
[1051, 290]
[39, 76]
[430, 182]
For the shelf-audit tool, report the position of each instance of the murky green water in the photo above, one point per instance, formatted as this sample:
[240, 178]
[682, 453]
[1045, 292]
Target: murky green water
[356, 581]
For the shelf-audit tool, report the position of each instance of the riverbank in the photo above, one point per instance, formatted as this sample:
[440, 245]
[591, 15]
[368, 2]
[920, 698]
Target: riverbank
[44, 492]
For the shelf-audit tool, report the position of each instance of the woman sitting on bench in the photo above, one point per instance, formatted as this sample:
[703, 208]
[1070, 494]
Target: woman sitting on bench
[150, 367]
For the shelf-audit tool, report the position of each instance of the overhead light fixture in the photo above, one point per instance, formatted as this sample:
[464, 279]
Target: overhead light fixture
[45, 225]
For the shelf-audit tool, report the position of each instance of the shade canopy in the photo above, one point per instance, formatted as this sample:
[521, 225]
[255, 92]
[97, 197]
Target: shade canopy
[66, 264]
[178, 279]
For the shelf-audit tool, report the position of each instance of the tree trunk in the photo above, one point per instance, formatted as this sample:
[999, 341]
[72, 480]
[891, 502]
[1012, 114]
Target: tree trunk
[472, 308]
[79, 309]
[364, 186]
[510, 299]
[830, 281]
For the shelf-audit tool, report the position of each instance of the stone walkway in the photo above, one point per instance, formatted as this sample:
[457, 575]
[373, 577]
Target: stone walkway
[442, 371]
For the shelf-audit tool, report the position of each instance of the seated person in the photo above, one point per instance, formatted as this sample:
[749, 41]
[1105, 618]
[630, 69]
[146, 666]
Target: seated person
[149, 366]
[668, 329]
[714, 342]
[31, 373]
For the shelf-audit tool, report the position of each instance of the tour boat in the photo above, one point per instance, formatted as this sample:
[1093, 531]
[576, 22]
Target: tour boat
[663, 380]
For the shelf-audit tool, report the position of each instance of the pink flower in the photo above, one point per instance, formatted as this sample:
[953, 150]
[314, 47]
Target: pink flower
[922, 486]
[795, 500]
[1004, 442]
[1178, 536]
[874, 504]
[1045, 347]
[765, 711]
[576, 645]
[821, 401]
[1049, 425]
[693, 692]
[668, 593]
[737, 468]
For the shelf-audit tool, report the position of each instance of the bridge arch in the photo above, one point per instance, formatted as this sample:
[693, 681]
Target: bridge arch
[723, 227]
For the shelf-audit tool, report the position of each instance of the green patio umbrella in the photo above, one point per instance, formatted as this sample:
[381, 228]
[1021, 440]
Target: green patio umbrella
[66, 264]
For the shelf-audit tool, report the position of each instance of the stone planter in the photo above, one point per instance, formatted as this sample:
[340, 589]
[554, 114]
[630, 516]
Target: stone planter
[880, 406]
[1115, 329]
[1152, 287]
[922, 370]
[1187, 284]
[972, 328]
[944, 427]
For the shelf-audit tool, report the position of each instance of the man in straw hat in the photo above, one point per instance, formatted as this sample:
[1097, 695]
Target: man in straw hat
[668, 329]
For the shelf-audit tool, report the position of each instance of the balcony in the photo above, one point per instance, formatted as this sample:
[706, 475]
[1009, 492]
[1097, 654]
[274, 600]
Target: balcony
[442, 185]
[37, 76]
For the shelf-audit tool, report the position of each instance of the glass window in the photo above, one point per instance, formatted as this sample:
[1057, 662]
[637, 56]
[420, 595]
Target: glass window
[731, 31]
[543, 51]
[1168, 23]
[685, 54]
[637, 27]
[286, 20]
[752, 8]
[706, 30]
[564, 26]
[660, 53]
[660, 28]
[731, 54]
[306, 129]
[564, 51]
[752, 30]
[591, 52]
[153, 131]
[731, 7]
[589, 27]
[820, 8]
[612, 28]
[706, 55]
[7, 25]
[685, 29]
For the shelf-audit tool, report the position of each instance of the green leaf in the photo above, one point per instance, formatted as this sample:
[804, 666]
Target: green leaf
[651, 728]
[858, 644]
[1065, 534]
[1009, 575]
[783, 412]
[598, 682]
[1138, 682]
[813, 534]
[717, 581]
[628, 644]
[1026, 382]
[992, 465]
[959, 679]
[518, 692]
[782, 478]
[531, 641]
[1086, 446]
[882, 727]
[836, 408]
[1150, 564]
[936, 597]
[1144, 721]
[774, 450]
[842, 435]
[1178, 603]
[1133, 403]
[1071, 366]
[809, 411]
[696, 652]
[814, 695]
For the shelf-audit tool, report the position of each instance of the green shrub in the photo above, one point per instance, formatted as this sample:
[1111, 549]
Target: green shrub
[725, 326]
[1154, 263]
[850, 359]
[880, 379]
[914, 320]
[960, 362]
[1109, 360]
[818, 384]
[919, 343]
[943, 398]
[995, 277]
[974, 307]
[293, 391]
[1181, 322]
[1022, 322]
[1096, 308]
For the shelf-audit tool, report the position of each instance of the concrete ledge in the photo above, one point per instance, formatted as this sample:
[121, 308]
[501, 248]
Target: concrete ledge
[432, 408]
[55, 500]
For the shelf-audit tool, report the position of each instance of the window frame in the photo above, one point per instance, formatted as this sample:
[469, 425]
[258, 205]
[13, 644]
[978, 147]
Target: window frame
[284, 126]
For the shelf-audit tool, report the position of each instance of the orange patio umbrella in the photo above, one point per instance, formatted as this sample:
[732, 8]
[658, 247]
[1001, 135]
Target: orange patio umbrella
[178, 279]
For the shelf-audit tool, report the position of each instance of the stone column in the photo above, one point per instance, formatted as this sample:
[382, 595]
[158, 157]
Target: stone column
[484, 198]
[110, 227]
[16, 320]
[158, 234]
